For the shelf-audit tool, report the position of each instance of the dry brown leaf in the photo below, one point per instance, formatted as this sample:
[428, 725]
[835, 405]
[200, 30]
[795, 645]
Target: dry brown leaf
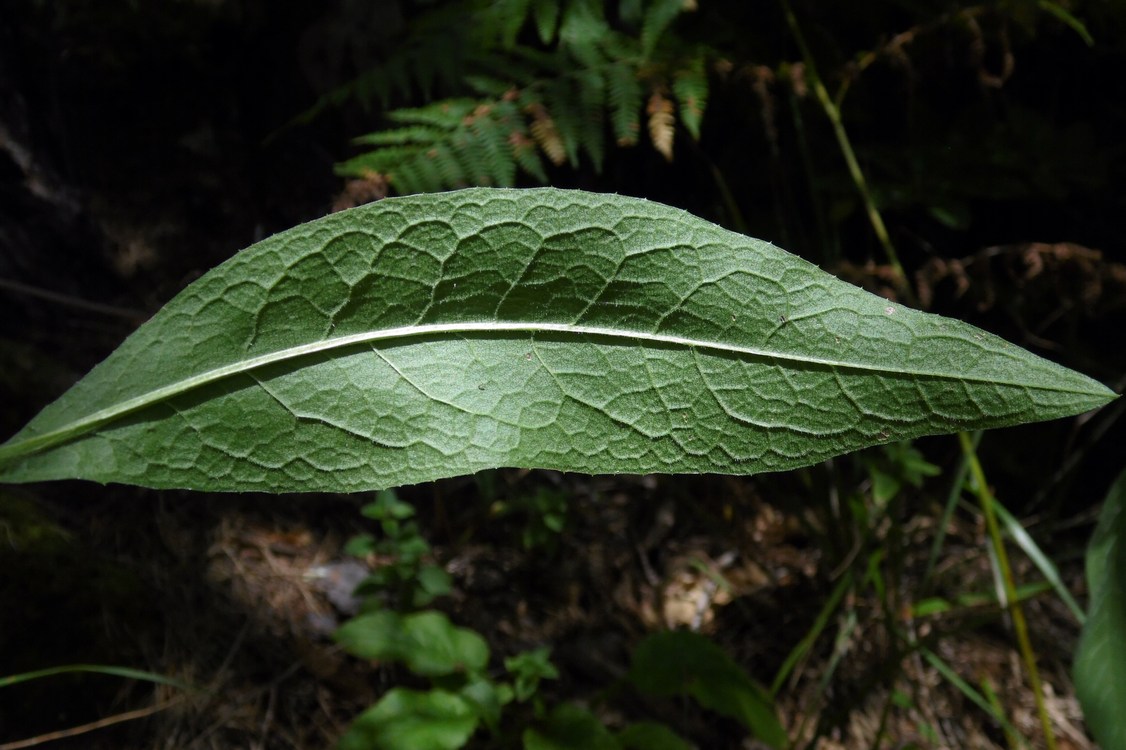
[662, 124]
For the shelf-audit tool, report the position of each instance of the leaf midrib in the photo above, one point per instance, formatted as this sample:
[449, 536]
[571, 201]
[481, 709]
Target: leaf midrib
[104, 416]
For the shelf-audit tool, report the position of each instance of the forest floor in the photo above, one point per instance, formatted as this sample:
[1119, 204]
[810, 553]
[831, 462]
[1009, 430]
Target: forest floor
[236, 595]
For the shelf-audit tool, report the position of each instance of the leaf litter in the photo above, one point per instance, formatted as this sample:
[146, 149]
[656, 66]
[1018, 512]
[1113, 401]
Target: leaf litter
[248, 612]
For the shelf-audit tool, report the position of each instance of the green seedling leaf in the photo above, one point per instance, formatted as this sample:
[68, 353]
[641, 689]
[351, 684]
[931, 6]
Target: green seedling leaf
[680, 663]
[388, 507]
[360, 545]
[438, 335]
[412, 720]
[1100, 663]
[528, 668]
[901, 463]
[569, 727]
[433, 582]
[427, 642]
[487, 699]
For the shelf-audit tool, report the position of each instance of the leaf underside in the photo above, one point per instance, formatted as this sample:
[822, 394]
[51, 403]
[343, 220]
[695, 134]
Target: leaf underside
[437, 335]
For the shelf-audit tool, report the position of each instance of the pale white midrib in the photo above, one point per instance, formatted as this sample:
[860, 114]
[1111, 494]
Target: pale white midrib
[80, 426]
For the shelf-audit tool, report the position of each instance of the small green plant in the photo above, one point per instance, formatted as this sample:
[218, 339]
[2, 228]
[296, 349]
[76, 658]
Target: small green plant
[392, 628]
[894, 467]
[465, 696]
[403, 574]
[542, 516]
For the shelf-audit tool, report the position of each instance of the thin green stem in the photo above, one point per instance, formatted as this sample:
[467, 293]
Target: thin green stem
[126, 672]
[967, 690]
[799, 651]
[1011, 738]
[834, 115]
[985, 497]
[947, 514]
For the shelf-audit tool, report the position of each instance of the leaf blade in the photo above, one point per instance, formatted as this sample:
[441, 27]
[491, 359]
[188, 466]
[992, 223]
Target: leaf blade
[308, 329]
[1100, 660]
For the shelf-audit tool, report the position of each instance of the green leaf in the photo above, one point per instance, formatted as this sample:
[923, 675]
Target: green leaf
[625, 95]
[387, 506]
[546, 14]
[691, 88]
[126, 672]
[433, 582]
[412, 720]
[529, 667]
[569, 727]
[425, 641]
[1100, 663]
[438, 335]
[360, 545]
[657, 18]
[488, 700]
[1047, 568]
[680, 663]
[649, 735]
[901, 463]
[1065, 15]
[511, 15]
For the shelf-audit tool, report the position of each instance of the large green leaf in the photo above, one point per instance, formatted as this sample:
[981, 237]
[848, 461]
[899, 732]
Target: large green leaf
[680, 663]
[435, 335]
[649, 735]
[412, 720]
[1100, 664]
[427, 642]
[569, 727]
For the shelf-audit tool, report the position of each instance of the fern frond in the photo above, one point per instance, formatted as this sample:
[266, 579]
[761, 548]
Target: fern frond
[426, 162]
[433, 57]
[446, 114]
[624, 94]
[532, 105]
[546, 15]
[488, 132]
[662, 124]
[379, 161]
[512, 14]
[525, 65]
[471, 156]
[547, 135]
[658, 16]
[408, 177]
[629, 11]
[526, 155]
[490, 86]
[563, 108]
[484, 147]
[381, 84]
[583, 31]
[400, 136]
[450, 168]
[690, 85]
[592, 106]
